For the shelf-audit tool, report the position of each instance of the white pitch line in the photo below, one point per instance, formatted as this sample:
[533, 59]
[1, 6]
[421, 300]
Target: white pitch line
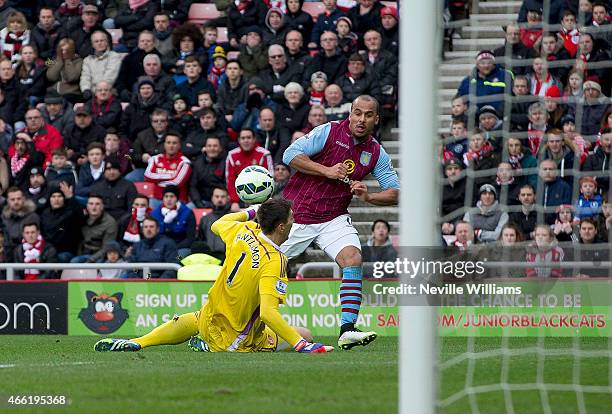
[7, 366]
[54, 364]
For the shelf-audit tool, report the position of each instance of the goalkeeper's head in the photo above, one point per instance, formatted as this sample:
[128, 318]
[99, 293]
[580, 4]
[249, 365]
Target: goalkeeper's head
[276, 218]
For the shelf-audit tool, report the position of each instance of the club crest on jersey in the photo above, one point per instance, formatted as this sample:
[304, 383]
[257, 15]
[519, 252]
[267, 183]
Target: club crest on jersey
[281, 287]
[350, 166]
[365, 158]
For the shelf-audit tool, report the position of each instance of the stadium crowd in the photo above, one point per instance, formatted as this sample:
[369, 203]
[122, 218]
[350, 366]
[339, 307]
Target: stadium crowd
[119, 118]
[527, 161]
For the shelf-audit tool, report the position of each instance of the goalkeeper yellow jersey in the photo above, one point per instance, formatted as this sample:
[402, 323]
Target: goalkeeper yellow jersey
[254, 265]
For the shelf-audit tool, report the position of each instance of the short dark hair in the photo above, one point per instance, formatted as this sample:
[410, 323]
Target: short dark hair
[95, 145]
[527, 186]
[173, 133]
[252, 131]
[151, 218]
[385, 222]
[236, 61]
[273, 212]
[92, 195]
[14, 189]
[590, 221]
[29, 224]
[218, 187]
[140, 195]
[209, 26]
[192, 59]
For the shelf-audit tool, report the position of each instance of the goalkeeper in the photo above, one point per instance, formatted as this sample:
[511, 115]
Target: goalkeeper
[241, 314]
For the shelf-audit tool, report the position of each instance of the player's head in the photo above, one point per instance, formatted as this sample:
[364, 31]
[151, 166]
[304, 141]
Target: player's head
[363, 117]
[276, 218]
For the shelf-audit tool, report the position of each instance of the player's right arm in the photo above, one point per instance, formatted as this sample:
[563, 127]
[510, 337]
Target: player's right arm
[297, 156]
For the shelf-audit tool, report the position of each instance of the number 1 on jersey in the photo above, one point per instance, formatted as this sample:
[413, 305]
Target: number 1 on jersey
[230, 277]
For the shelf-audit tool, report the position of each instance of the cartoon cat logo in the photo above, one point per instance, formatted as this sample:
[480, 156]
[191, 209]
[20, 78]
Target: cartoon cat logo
[103, 313]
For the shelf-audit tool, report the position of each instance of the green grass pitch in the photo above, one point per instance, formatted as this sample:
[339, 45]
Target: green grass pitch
[174, 379]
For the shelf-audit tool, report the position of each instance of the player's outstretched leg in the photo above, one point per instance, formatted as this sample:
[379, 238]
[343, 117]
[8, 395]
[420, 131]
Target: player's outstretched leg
[116, 345]
[350, 301]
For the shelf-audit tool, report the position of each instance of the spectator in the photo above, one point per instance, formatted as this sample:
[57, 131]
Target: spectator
[104, 107]
[522, 161]
[336, 108]
[279, 74]
[384, 65]
[459, 109]
[130, 225]
[357, 81]
[293, 113]
[177, 10]
[564, 227]
[14, 36]
[593, 108]
[163, 33]
[79, 135]
[35, 249]
[31, 74]
[207, 127]
[169, 168]
[506, 186]
[112, 254]
[588, 251]
[22, 158]
[246, 114]
[544, 251]
[599, 161]
[480, 156]
[102, 65]
[119, 149]
[241, 16]
[134, 19]
[5, 11]
[69, 12]
[297, 19]
[519, 120]
[601, 22]
[46, 33]
[208, 173]
[37, 189]
[253, 53]
[554, 191]
[13, 93]
[366, 16]
[464, 236]
[232, 90]
[532, 32]
[270, 136]
[378, 247]
[326, 22]
[221, 206]
[541, 79]
[60, 169]
[389, 21]
[65, 71]
[556, 110]
[456, 145]
[480, 81]
[487, 218]
[453, 194]
[569, 33]
[329, 60]
[589, 202]
[216, 73]
[187, 41]
[316, 117]
[195, 82]
[282, 173]
[17, 211]
[554, 53]
[132, 66]
[116, 192]
[81, 31]
[490, 124]
[297, 57]
[153, 247]
[561, 151]
[137, 115]
[98, 228]
[176, 220]
[275, 28]
[576, 141]
[149, 142]
[513, 48]
[525, 219]
[90, 172]
[43, 135]
[509, 248]
[537, 127]
[247, 153]
[59, 222]
[604, 222]
[56, 111]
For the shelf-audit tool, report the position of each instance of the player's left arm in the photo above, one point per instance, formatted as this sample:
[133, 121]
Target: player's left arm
[271, 316]
[388, 180]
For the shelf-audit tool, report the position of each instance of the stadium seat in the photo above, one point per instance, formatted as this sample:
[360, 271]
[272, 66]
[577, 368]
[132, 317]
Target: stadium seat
[199, 213]
[68, 274]
[222, 36]
[233, 55]
[116, 34]
[314, 9]
[201, 13]
[145, 188]
[389, 4]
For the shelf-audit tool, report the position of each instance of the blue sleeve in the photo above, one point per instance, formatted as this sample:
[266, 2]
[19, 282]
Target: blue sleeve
[310, 144]
[464, 87]
[384, 172]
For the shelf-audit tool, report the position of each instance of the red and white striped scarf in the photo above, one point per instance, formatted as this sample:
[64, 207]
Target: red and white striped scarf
[17, 163]
[13, 42]
[132, 232]
[31, 254]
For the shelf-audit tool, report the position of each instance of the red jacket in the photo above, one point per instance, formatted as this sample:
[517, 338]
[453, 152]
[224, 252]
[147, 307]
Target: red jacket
[46, 140]
[237, 160]
[163, 171]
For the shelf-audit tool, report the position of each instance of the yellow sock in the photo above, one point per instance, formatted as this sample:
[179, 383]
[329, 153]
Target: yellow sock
[175, 331]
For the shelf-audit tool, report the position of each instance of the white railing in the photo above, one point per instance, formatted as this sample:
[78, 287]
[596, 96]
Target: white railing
[145, 267]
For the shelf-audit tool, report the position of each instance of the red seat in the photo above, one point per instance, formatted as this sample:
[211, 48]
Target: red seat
[199, 213]
[222, 35]
[314, 9]
[116, 34]
[233, 55]
[201, 13]
[389, 4]
[145, 188]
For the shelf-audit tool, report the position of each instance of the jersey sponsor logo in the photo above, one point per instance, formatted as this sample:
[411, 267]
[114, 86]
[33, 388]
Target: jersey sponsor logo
[350, 166]
[342, 144]
[365, 158]
[281, 287]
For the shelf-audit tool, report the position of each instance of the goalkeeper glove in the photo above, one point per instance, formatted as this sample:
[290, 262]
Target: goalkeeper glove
[311, 347]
